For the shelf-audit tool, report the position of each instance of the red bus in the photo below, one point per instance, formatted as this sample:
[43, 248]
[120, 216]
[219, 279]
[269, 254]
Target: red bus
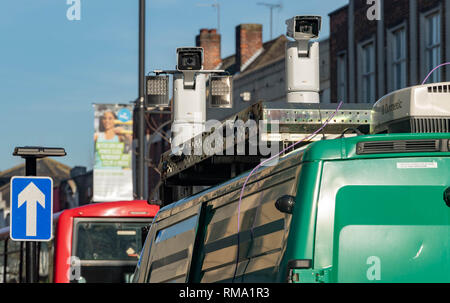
[97, 242]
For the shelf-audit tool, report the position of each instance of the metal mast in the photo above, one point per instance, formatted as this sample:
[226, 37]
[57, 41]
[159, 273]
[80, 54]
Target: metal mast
[140, 108]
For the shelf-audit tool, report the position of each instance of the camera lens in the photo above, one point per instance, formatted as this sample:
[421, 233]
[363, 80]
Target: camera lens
[304, 29]
[189, 61]
[309, 27]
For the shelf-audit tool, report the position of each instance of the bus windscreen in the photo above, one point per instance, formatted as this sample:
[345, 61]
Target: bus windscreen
[107, 250]
[109, 240]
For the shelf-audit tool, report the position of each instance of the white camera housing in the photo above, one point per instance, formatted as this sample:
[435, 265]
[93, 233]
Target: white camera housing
[189, 109]
[189, 95]
[302, 60]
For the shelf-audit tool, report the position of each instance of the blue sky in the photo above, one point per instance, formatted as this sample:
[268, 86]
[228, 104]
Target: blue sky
[52, 70]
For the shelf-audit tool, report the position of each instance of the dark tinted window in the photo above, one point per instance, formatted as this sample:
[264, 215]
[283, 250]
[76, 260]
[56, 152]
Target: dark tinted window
[13, 262]
[109, 240]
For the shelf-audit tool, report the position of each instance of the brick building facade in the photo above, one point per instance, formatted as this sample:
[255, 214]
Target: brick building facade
[370, 58]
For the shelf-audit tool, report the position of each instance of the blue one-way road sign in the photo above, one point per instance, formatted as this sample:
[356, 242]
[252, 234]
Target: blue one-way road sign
[31, 208]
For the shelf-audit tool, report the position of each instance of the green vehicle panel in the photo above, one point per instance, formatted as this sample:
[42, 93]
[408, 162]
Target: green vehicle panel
[367, 209]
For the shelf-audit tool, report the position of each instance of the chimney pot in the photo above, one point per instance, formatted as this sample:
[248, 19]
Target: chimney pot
[209, 39]
[248, 42]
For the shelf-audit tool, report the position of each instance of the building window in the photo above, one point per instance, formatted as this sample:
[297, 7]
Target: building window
[397, 58]
[431, 44]
[342, 77]
[324, 95]
[366, 69]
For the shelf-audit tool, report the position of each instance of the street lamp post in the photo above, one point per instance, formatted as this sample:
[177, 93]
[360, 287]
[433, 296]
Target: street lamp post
[31, 154]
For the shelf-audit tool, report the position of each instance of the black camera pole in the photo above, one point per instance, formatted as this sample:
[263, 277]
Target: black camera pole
[140, 109]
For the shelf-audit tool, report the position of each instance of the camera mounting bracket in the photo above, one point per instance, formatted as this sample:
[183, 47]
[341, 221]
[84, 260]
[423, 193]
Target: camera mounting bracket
[303, 48]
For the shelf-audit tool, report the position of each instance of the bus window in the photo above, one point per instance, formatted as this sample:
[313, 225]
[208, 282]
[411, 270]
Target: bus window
[44, 262]
[108, 250]
[13, 262]
[2, 261]
[108, 241]
[22, 266]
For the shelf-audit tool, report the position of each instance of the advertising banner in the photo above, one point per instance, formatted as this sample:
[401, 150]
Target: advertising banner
[113, 179]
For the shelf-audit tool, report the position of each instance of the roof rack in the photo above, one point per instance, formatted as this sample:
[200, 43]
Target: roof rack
[280, 124]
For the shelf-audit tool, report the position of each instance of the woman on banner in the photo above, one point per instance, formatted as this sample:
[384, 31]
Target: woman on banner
[109, 133]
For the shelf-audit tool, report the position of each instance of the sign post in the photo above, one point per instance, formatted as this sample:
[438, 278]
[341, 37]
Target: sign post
[30, 222]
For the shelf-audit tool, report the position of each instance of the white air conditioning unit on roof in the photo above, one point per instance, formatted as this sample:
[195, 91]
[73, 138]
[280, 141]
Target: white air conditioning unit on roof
[416, 109]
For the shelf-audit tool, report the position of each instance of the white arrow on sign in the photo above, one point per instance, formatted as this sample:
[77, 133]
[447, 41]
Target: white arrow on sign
[31, 195]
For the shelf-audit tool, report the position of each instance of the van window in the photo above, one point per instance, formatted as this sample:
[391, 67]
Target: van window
[176, 229]
[171, 250]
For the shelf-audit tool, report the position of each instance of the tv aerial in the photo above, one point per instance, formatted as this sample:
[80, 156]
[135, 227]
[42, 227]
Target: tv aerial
[215, 5]
[271, 6]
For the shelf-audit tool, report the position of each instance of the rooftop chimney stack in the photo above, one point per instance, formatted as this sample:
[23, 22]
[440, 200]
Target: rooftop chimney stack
[209, 39]
[248, 43]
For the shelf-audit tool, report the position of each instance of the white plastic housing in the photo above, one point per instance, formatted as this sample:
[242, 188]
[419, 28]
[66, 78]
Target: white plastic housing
[430, 101]
[189, 109]
[302, 72]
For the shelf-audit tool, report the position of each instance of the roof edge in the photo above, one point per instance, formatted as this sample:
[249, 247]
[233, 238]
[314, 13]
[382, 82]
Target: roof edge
[338, 10]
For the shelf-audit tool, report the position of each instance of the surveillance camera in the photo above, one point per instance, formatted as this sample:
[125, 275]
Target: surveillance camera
[304, 27]
[189, 58]
[302, 59]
